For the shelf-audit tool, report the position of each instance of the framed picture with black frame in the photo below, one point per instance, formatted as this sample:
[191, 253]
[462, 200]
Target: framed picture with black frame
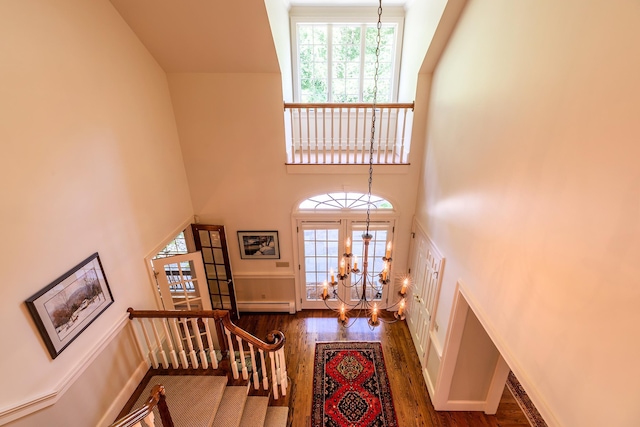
[259, 244]
[67, 306]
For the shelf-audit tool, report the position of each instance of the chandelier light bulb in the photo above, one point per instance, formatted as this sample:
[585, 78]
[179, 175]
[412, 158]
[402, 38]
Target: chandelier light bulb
[405, 283]
[401, 309]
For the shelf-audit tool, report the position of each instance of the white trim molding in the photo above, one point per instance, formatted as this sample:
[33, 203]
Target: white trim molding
[49, 398]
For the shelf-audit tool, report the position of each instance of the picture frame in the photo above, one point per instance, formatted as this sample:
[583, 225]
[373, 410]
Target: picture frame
[68, 305]
[259, 244]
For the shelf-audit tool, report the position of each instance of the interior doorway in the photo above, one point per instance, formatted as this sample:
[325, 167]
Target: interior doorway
[192, 271]
[473, 374]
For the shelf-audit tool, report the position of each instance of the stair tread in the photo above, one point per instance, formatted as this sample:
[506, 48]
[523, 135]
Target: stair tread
[255, 411]
[230, 411]
[276, 416]
[186, 399]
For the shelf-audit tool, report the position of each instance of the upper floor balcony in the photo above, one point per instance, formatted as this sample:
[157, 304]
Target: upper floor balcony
[340, 133]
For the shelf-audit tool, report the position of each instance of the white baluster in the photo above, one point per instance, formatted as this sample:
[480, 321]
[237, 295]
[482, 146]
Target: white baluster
[163, 355]
[172, 351]
[152, 355]
[187, 334]
[346, 137]
[263, 366]
[364, 133]
[178, 337]
[243, 362]
[196, 332]
[308, 140]
[256, 384]
[300, 129]
[149, 419]
[212, 349]
[404, 126]
[274, 376]
[277, 359]
[284, 381]
[232, 355]
[386, 143]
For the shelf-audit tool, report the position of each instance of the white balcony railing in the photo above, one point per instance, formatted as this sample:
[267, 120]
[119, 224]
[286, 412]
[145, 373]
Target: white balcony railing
[341, 133]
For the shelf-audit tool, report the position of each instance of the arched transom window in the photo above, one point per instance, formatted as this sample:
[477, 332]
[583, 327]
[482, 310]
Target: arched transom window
[344, 201]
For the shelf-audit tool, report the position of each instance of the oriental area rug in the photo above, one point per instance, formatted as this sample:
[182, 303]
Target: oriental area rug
[351, 387]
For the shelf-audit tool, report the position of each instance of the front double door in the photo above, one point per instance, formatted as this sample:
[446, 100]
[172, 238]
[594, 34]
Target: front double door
[321, 246]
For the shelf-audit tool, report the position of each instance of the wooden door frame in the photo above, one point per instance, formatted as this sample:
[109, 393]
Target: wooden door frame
[233, 312]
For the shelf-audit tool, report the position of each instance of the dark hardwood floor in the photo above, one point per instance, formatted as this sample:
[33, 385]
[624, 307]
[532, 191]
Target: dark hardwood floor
[411, 399]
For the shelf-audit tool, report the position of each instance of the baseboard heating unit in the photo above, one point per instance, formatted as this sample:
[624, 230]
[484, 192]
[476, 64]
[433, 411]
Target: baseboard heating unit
[267, 306]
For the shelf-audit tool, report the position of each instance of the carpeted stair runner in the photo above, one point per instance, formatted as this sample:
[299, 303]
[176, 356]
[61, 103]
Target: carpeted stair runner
[207, 401]
[276, 416]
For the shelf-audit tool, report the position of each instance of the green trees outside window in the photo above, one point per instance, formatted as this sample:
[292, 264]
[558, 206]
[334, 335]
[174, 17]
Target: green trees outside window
[336, 62]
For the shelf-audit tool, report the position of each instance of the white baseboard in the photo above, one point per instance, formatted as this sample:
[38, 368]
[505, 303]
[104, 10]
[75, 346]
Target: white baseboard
[463, 405]
[267, 306]
[124, 395]
[431, 385]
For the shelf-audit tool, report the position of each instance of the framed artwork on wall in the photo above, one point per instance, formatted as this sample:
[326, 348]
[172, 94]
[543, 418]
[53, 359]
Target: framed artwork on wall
[68, 305]
[259, 244]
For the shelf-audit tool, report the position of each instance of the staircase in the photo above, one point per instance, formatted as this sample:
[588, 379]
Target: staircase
[209, 401]
[205, 371]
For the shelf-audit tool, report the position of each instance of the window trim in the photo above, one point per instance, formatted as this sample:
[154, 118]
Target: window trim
[345, 15]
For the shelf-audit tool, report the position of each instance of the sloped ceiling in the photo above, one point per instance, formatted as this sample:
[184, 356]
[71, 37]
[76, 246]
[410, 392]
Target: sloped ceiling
[204, 36]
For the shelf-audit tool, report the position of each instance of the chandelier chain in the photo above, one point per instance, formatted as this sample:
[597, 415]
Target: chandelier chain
[373, 113]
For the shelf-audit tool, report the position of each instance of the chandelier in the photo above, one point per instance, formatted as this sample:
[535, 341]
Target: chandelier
[364, 279]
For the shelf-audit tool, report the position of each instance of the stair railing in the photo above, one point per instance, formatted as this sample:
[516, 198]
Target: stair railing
[145, 413]
[183, 340]
[340, 133]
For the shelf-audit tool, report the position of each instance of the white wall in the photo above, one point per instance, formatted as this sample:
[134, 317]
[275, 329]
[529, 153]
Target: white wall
[278, 12]
[420, 23]
[532, 189]
[232, 135]
[91, 162]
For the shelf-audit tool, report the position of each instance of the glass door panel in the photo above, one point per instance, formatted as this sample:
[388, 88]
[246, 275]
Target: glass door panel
[373, 289]
[321, 244]
[181, 282]
[211, 240]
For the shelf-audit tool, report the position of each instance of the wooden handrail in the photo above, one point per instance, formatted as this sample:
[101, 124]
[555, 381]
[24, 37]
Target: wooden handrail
[398, 105]
[276, 339]
[156, 397]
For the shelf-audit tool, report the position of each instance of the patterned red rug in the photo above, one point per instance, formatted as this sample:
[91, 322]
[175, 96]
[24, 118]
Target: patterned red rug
[351, 387]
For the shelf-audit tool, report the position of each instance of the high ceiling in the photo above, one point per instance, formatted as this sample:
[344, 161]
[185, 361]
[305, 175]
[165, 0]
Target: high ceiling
[207, 36]
[213, 36]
